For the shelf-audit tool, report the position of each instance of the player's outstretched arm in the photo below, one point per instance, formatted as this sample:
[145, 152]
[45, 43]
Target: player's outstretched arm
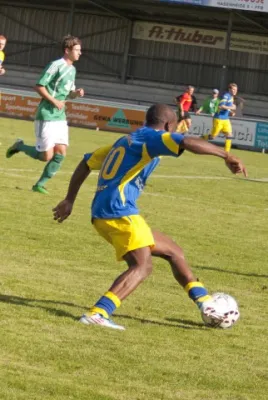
[199, 146]
[64, 208]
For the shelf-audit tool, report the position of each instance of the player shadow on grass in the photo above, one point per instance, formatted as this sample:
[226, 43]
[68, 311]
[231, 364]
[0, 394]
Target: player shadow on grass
[21, 301]
[179, 323]
[226, 271]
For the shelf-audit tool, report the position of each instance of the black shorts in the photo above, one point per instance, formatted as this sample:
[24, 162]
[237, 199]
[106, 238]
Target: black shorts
[185, 116]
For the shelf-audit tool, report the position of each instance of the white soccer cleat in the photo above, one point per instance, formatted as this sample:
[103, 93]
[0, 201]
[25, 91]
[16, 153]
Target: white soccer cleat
[98, 319]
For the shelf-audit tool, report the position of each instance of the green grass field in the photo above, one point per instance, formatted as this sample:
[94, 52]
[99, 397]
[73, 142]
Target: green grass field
[50, 273]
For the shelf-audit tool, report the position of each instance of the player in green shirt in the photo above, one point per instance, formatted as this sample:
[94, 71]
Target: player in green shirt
[55, 86]
[211, 103]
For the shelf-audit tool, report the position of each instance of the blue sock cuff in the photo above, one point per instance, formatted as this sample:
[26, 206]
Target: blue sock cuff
[197, 292]
[106, 304]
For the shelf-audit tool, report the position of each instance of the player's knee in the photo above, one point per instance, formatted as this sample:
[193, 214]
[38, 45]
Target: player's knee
[45, 156]
[173, 252]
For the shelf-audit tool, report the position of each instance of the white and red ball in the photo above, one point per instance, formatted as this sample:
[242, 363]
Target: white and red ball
[221, 311]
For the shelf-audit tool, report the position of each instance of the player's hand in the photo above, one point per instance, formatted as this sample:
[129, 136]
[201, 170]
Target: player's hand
[80, 92]
[62, 210]
[60, 104]
[2, 71]
[235, 165]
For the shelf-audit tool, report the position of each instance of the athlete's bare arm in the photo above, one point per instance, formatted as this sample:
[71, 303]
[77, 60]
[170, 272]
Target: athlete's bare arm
[64, 208]
[199, 146]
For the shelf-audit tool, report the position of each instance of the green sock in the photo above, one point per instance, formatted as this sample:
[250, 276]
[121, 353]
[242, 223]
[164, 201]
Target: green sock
[50, 169]
[29, 151]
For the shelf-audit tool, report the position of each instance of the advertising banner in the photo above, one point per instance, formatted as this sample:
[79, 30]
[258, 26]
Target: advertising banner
[247, 5]
[249, 43]
[104, 117]
[18, 106]
[199, 37]
[243, 130]
[261, 138]
[125, 118]
[179, 34]
[79, 114]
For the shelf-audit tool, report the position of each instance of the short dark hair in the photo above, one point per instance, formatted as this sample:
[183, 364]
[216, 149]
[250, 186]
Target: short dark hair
[69, 41]
[159, 114]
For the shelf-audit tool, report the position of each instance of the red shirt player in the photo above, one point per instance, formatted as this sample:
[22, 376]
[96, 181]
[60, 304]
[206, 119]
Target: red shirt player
[184, 103]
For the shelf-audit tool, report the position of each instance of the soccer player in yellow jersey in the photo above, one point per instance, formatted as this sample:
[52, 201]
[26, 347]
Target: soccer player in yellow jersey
[3, 42]
[124, 171]
[221, 118]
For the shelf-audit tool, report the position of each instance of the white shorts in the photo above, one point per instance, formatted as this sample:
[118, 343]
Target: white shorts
[50, 133]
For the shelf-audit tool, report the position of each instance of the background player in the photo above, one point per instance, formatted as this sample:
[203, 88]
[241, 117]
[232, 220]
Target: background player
[221, 121]
[210, 104]
[116, 217]
[55, 86]
[3, 42]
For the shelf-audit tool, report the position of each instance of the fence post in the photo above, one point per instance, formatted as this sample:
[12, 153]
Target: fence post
[29, 56]
[125, 63]
[226, 55]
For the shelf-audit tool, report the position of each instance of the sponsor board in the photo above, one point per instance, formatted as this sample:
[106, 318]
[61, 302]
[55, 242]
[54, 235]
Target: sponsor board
[199, 37]
[261, 138]
[243, 130]
[18, 106]
[79, 114]
[248, 133]
[179, 34]
[247, 5]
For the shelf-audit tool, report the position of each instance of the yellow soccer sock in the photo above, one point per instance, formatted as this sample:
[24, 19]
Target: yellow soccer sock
[228, 145]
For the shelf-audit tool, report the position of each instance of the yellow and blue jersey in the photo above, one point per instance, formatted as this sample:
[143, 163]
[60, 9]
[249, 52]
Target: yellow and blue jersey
[226, 100]
[126, 169]
[2, 57]
[95, 160]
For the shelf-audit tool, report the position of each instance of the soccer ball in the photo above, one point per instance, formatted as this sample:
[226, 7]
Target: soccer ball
[222, 311]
